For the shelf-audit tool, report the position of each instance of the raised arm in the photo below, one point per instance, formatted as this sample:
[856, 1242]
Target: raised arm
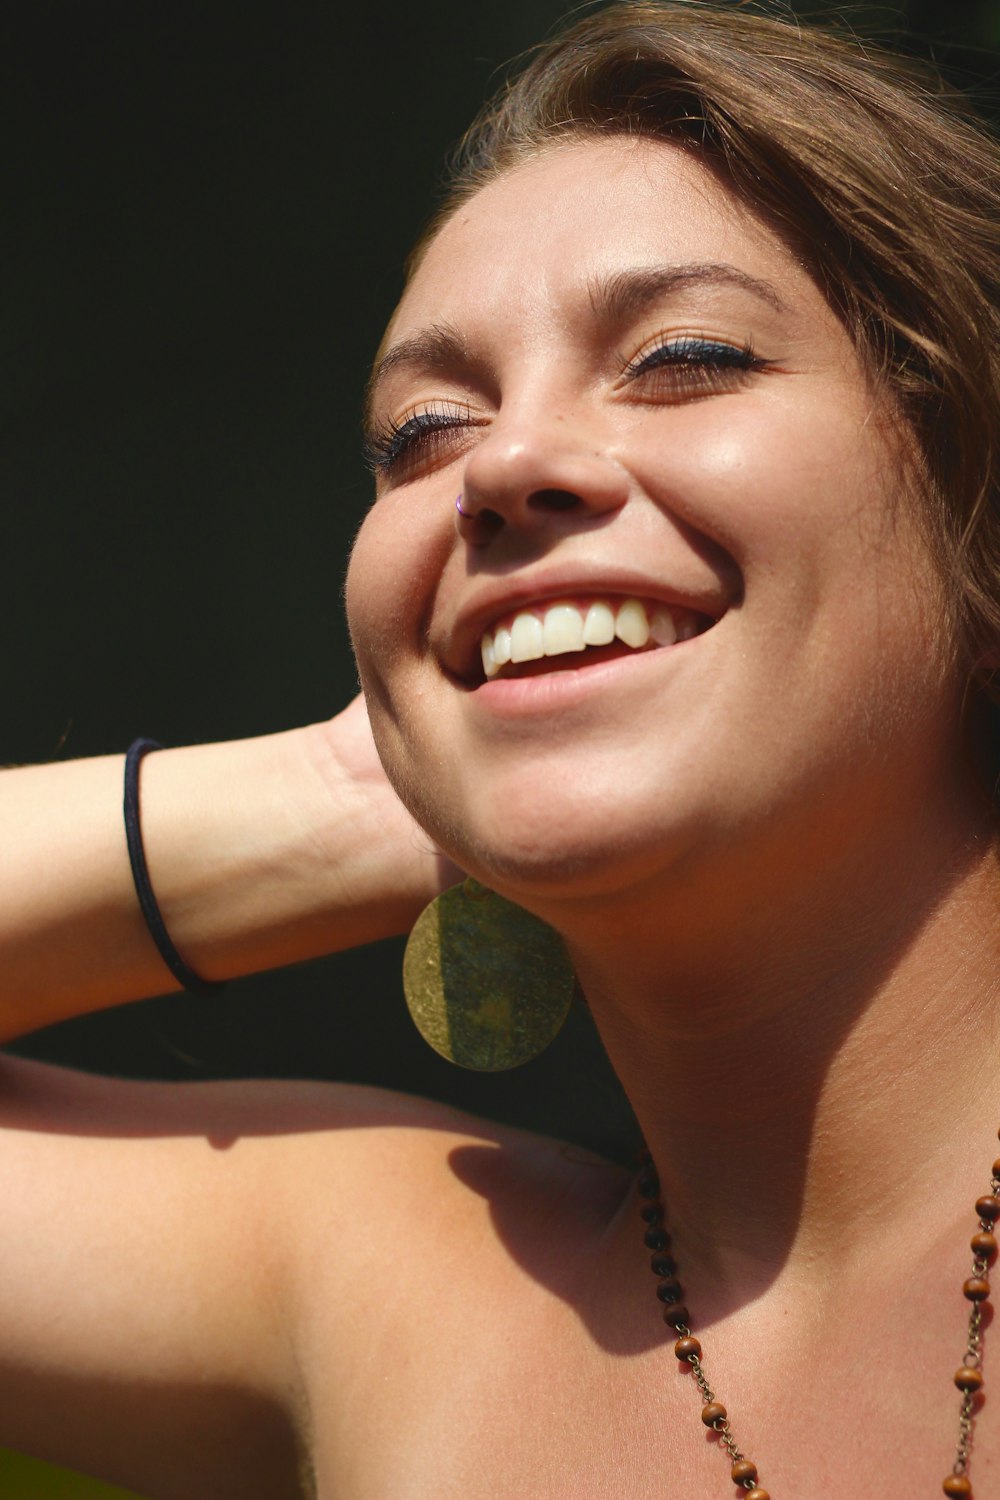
[261, 853]
[148, 1313]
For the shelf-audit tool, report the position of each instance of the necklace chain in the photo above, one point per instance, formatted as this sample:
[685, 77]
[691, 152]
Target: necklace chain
[968, 1378]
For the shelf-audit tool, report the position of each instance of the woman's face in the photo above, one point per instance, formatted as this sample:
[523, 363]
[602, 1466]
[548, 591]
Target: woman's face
[642, 395]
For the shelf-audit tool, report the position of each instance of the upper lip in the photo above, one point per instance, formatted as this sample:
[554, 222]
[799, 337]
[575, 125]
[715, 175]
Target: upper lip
[458, 646]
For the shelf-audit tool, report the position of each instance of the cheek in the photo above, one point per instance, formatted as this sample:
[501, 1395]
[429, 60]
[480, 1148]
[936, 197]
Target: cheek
[380, 591]
[769, 476]
[361, 599]
[809, 498]
[393, 574]
[806, 497]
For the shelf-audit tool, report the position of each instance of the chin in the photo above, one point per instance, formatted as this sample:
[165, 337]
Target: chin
[558, 843]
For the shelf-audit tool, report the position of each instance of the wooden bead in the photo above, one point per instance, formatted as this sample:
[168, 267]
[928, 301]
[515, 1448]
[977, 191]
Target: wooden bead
[652, 1213]
[743, 1470]
[675, 1313]
[984, 1244]
[956, 1486]
[969, 1379]
[656, 1238]
[996, 1167]
[757, 1494]
[649, 1183]
[977, 1289]
[988, 1209]
[663, 1264]
[684, 1348]
[669, 1290]
[712, 1413]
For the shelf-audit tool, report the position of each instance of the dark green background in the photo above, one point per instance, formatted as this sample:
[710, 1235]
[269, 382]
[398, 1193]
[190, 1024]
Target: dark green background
[205, 210]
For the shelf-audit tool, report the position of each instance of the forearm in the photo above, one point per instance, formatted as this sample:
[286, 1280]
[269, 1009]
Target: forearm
[261, 852]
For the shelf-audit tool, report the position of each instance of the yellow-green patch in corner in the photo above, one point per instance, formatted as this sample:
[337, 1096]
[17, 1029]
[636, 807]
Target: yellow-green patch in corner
[26, 1479]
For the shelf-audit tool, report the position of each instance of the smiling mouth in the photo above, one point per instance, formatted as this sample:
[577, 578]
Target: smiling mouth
[571, 633]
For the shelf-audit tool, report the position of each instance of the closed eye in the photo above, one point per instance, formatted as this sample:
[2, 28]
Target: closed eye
[677, 368]
[693, 366]
[422, 436]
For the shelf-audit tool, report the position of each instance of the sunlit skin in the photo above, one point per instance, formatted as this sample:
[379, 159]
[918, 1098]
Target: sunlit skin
[768, 498]
[760, 844]
[765, 497]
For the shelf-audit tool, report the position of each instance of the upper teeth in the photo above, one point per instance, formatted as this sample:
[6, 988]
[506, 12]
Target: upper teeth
[554, 629]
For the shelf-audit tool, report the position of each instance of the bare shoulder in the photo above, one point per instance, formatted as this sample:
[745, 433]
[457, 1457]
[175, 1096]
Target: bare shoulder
[396, 1205]
[437, 1258]
[306, 1134]
[397, 1155]
[243, 1245]
[335, 1166]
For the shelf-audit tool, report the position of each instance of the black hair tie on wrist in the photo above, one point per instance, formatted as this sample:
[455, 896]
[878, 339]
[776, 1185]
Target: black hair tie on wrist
[140, 874]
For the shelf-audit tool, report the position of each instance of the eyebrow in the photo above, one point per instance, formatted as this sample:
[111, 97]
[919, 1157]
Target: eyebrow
[626, 293]
[614, 298]
[439, 347]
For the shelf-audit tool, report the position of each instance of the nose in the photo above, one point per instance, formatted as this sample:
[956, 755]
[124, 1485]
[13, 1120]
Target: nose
[531, 475]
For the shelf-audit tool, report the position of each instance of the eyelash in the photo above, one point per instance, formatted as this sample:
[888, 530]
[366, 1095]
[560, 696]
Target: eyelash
[387, 445]
[704, 362]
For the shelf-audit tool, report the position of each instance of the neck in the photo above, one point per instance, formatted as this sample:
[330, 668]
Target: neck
[798, 1081]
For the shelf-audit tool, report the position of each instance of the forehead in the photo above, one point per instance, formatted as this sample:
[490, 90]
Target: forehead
[525, 249]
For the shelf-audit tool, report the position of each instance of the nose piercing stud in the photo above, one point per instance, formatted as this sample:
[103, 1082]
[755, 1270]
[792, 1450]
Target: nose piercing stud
[466, 515]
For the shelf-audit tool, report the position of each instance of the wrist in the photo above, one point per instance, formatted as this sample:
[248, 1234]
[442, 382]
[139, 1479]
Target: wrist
[376, 859]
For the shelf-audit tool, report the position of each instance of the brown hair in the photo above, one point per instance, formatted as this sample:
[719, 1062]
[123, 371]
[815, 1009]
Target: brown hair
[878, 176]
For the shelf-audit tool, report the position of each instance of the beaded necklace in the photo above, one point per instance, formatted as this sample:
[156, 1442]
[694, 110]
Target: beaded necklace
[968, 1378]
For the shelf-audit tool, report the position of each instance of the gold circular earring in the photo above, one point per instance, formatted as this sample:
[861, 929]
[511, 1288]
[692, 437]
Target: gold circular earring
[487, 984]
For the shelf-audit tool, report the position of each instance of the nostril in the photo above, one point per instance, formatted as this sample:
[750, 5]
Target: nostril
[477, 527]
[551, 500]
[490, 521]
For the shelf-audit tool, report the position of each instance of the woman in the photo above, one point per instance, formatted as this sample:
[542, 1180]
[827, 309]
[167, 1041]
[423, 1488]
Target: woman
[703, 341]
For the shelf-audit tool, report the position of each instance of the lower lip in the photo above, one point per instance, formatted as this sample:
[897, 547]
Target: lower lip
[548, 692]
